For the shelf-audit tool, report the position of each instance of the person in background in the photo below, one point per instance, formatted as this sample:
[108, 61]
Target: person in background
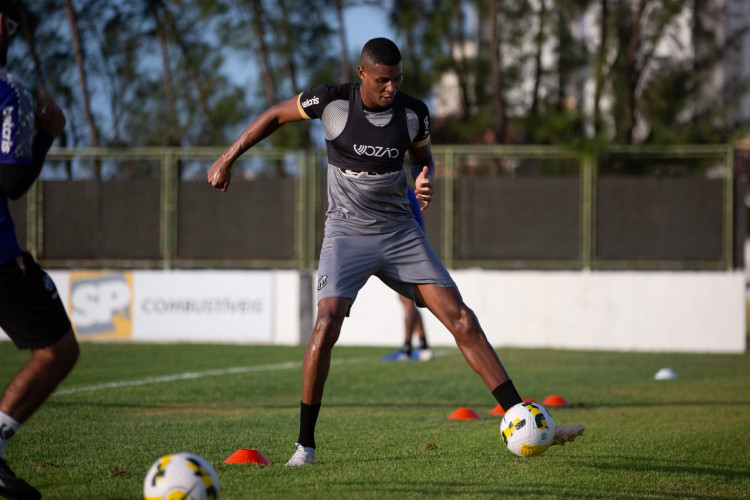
[412, 317]
[31, 312]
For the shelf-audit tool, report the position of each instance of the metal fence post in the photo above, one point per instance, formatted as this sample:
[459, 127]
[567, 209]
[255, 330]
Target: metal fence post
[449, 228]
[729, 209]
[588, 210]
[168, 209]
[34, 213]
[304, 191]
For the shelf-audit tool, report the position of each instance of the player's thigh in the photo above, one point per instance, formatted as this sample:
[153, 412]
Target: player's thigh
[31, 312]
[446, 304]
[410, 259]
[346, 263]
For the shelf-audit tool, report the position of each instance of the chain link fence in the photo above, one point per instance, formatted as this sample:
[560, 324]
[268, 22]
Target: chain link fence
[517, 207]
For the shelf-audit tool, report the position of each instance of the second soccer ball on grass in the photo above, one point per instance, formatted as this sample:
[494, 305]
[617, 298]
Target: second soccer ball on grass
[181, 475]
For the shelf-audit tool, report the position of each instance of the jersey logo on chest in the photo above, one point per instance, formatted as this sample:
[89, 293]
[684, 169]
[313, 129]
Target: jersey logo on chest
[376, 151]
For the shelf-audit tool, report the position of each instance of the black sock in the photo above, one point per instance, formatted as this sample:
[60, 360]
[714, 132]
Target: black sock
[308, 416]
[406, 348]
[507, 395]
[423, 343]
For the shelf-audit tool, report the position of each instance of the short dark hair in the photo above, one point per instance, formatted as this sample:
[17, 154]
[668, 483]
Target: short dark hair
[381, 51]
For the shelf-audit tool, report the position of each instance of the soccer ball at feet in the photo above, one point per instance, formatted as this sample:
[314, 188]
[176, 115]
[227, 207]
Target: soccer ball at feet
[527, 429]
[181, 475]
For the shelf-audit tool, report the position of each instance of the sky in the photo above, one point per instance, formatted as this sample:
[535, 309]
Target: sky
[364, 23]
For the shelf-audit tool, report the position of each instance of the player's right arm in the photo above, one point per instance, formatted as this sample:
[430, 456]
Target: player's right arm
[16, 174]
[219, 175]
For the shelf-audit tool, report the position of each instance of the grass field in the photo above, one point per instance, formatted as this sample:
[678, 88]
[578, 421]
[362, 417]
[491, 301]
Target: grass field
[383, 430]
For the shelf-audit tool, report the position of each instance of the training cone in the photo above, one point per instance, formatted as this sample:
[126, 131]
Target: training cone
[555, 400]
[247, 456]
[497, 410]
[464, 414]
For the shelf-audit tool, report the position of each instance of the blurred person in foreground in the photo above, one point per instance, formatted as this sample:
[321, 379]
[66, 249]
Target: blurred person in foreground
[412, 317]
[31, 312]
[370, 230]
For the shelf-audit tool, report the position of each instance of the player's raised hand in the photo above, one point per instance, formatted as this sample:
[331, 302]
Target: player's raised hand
[423, 187]
[220, 175]
[49, 117]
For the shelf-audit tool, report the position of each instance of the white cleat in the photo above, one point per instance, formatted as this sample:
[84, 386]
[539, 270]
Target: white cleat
[565, 433]
[303, 456]
[422, 354]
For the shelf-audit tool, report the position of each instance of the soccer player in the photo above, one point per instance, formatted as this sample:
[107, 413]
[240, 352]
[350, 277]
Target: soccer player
[369, 230]
[31, 312]
[412, 317]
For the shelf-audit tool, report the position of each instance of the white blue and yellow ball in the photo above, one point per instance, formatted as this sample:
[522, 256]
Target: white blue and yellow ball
[527, 429]
[181, 475]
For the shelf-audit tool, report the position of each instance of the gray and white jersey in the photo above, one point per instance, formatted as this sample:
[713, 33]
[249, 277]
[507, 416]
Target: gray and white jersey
[366, 186]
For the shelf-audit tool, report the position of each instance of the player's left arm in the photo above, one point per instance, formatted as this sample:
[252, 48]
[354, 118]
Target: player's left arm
[420, 152]
[422, 171]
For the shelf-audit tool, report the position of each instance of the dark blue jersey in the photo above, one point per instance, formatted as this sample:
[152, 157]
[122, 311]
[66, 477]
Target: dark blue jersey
[16, 135]
[416, 207]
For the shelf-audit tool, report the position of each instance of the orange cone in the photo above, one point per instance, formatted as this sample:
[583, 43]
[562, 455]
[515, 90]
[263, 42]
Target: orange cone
[555, 400]
[247, 456]
[464, 414]
[498, 410]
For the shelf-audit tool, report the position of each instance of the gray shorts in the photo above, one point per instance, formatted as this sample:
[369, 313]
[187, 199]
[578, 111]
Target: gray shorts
[401, 259]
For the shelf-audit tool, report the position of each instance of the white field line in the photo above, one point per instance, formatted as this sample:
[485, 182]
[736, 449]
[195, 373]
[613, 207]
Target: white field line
[180, 376]
[208, 373]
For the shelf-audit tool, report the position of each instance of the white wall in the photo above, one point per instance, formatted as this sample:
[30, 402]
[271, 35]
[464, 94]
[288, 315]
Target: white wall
[629, 311]
[633, 311]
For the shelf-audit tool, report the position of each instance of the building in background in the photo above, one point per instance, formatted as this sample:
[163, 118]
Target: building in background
[727, 84]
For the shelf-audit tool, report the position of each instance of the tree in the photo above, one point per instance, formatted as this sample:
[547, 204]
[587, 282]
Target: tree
[160, 13]
[638, 31]
[411, 20]
[599, 65]
[346, 70]
[85, 97]
[138, 74]
[496, 65]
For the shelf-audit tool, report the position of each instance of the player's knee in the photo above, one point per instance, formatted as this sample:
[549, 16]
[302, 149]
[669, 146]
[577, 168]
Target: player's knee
[465, 324]
[63, 354]
[69, 355]
[326, 332]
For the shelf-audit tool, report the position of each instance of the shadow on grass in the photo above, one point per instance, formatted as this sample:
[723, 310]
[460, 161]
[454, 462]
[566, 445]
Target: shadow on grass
[645, 464]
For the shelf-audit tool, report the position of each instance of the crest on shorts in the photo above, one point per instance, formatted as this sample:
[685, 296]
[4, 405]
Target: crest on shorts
[322, 281]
